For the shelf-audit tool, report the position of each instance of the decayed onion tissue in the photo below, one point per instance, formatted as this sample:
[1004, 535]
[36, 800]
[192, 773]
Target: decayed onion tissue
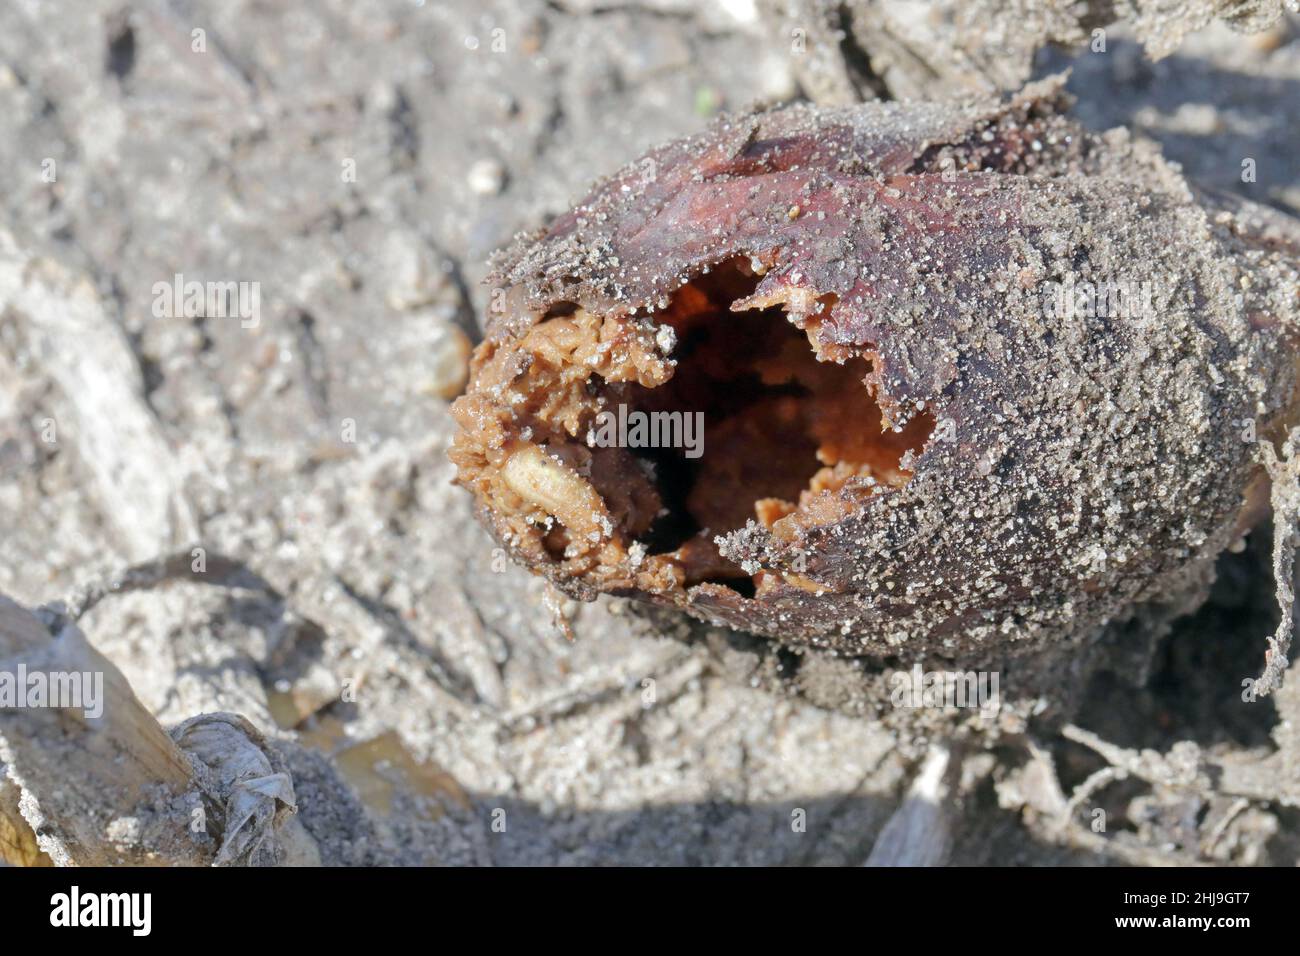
[969, 375]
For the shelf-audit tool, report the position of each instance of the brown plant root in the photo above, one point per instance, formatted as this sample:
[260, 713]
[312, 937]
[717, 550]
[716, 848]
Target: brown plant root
[790, 432]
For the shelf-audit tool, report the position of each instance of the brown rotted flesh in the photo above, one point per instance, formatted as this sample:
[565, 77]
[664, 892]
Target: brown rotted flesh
[783, 433]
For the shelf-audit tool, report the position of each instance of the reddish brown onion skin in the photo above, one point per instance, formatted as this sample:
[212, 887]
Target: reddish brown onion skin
[1094, 463]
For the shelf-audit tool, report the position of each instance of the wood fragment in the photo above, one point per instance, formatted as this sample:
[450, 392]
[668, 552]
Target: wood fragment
[18, 846]
[920, 831]
[100, 782]
[82, 774]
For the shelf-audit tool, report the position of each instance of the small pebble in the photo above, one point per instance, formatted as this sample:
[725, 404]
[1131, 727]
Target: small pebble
[448, 363]
[487, 177]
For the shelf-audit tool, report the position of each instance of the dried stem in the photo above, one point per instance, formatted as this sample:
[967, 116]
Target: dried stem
[82, 776]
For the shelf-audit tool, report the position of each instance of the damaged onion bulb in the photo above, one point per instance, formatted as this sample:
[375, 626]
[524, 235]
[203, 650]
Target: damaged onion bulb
[945, 378]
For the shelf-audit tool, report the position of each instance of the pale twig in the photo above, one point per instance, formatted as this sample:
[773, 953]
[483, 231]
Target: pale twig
[920, 832]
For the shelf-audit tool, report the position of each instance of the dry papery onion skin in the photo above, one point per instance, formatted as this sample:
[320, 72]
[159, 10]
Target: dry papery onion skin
[996, 474]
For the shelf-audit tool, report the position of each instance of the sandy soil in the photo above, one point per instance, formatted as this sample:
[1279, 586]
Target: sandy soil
[360, 161]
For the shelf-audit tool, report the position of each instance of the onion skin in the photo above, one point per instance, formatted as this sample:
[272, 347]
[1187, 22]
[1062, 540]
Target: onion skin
[1081, 465]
